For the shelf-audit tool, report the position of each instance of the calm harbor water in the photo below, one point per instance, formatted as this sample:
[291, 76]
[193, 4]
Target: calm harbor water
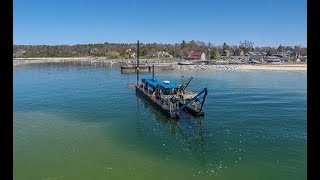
[85, 122]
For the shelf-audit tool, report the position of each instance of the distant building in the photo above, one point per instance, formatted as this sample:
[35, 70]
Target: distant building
[286, 54]
[226, 53]
[160, 54]
[299, 59]
[131, 54]
[194, 55]
[257, 56]
[238, 52]
[18, 53]
[273, 59]
[295, 54]
[163, 54]
[251, 53]
[303, 58]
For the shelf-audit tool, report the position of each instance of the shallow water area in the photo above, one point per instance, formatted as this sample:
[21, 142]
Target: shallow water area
[83, 121]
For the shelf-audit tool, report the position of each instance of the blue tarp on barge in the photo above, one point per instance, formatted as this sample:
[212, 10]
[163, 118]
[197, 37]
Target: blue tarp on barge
[168, 85]
[163, 84]
[150, 81]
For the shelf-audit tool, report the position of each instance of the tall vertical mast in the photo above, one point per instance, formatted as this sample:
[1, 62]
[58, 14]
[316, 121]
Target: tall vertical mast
[138, 54]
[152, 70]
[209, 51]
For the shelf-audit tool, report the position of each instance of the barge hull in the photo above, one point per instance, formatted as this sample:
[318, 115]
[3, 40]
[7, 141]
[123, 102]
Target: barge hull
[192, 110]
[153, 102]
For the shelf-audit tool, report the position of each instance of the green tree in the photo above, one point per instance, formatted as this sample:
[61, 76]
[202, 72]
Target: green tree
[94, 51]
[112, 55]
[280, 48]
[143, 52]
[225, 46]
[270, 51]
[123, 53]
[183, 45]
[213, 53]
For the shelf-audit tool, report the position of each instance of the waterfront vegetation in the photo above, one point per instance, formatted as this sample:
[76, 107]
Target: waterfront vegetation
[147, 50]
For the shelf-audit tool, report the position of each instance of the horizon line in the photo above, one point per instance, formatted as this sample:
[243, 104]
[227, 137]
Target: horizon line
[213, 44]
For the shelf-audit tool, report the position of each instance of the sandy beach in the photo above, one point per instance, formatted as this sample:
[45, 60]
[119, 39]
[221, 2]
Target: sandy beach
[278, 67]
[274, 67]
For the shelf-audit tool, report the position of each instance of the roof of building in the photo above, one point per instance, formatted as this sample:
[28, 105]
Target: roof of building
[193, 55]
[252, 53]
[238, 50]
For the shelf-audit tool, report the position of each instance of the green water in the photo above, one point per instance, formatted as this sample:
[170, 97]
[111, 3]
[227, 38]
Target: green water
[85, 122]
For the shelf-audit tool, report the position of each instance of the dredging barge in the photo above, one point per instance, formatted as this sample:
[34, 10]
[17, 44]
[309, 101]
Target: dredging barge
[169, 97]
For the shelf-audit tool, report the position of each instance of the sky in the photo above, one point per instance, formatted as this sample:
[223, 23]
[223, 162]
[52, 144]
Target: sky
[68, 22]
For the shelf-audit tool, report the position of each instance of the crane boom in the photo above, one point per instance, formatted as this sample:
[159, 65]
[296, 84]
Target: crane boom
[184, 87]
[189, 80]
[196, 98]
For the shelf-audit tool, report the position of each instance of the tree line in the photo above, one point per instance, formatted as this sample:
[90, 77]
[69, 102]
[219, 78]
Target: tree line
[125, 50]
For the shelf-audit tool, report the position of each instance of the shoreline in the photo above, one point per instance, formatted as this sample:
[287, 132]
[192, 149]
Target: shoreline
[246, 67]
[160, 62]
[279, 67]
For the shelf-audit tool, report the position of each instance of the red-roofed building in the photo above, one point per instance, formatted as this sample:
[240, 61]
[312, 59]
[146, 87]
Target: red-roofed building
[194, 55]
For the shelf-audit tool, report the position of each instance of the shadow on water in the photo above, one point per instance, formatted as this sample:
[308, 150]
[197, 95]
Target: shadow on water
[132, 71]
[187, 132]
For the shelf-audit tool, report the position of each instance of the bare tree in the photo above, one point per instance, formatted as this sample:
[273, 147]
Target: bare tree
[246, 46]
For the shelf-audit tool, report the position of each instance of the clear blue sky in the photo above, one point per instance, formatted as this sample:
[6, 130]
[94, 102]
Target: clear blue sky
[264, 22]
